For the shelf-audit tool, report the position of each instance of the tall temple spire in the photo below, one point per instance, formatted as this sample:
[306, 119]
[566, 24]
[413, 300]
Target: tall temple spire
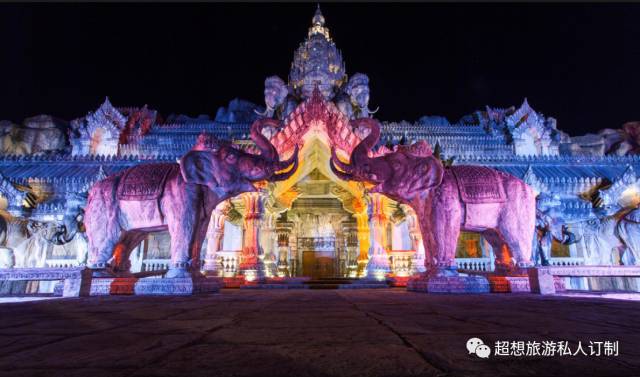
[317, 60]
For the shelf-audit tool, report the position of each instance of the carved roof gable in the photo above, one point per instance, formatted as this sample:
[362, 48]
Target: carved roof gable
[316, 115]
[106, 117]
[525, 119]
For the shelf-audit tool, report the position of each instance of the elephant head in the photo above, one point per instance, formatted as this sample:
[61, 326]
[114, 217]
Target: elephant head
[228, 171]
[71, 223]
[275, 93]
[401, 174]
[358, 90]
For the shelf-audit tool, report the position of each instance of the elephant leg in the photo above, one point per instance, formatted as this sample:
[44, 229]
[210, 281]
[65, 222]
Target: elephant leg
[545, 250]
[101, 247]
[541, 247]
[182, 233]
[201, 234]
[501, 252]
[102, 226]
[443, 229]
[429, 244]
[120, 261]
[185, 229]
[519, 242]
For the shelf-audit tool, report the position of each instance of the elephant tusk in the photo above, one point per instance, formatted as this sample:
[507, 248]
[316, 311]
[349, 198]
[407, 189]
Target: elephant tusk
[291, 171]
[265, 111]
[284, 164]
[338, 173]
[374, 111]
[343, 166]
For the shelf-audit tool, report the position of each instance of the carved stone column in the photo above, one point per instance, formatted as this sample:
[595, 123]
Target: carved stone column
[215, 235]
[268, 241]
[378, 265]
[362, 221]
[350, 235]
[284, 251]
[251, 261]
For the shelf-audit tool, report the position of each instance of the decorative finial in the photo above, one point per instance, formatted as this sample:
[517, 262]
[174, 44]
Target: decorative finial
[318, 18]
[317, 25]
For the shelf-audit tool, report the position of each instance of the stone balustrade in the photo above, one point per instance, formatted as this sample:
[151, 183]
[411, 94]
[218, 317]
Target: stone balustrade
[229, 260]
[475, 264]
[61, 263]
[485, 264]
[155, 264]
[567, 261]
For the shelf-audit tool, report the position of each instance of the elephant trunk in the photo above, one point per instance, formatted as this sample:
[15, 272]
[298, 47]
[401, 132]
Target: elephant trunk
[569, 237]
[268, 151]
[564, 237]
[361, 151]
[63, 235]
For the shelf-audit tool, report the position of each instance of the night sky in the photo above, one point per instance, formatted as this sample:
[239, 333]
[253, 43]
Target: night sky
[577, 63]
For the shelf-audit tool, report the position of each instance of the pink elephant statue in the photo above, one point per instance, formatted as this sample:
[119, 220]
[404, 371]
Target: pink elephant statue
[448, 200]
[179, 198]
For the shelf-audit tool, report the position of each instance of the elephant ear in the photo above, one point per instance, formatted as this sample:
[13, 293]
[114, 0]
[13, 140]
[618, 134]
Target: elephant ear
[197, 167]
[428, 173]
[435, 172]
[416, 177]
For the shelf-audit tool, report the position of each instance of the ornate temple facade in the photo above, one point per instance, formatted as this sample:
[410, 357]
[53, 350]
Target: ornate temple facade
[314, 223]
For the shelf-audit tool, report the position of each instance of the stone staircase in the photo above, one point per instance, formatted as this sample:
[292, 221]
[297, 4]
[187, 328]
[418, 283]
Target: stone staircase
[322, 283]
[345, 283]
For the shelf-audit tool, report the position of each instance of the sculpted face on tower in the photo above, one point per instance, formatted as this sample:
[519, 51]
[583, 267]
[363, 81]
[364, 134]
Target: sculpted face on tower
[275, 92]
[354, 99]
[358, 90]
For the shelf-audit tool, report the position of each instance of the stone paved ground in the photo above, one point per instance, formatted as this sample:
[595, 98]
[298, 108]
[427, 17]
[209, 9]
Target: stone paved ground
[309, 333]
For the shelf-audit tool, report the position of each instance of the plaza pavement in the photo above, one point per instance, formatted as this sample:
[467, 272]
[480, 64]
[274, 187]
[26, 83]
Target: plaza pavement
[383, 332]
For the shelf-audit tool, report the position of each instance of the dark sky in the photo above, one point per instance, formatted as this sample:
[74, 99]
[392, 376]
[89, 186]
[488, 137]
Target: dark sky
[578, 63]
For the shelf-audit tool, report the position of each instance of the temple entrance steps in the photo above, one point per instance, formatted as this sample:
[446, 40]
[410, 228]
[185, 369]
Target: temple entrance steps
[321, 283]
[345, 283]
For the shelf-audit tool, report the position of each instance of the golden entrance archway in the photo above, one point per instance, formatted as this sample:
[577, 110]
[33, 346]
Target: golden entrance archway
[339, 204]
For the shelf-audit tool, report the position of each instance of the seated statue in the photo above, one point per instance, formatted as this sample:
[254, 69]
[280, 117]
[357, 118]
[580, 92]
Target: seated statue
[354, 100]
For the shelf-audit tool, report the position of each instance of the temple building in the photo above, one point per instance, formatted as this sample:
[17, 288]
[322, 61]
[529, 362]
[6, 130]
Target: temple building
[315, 224]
